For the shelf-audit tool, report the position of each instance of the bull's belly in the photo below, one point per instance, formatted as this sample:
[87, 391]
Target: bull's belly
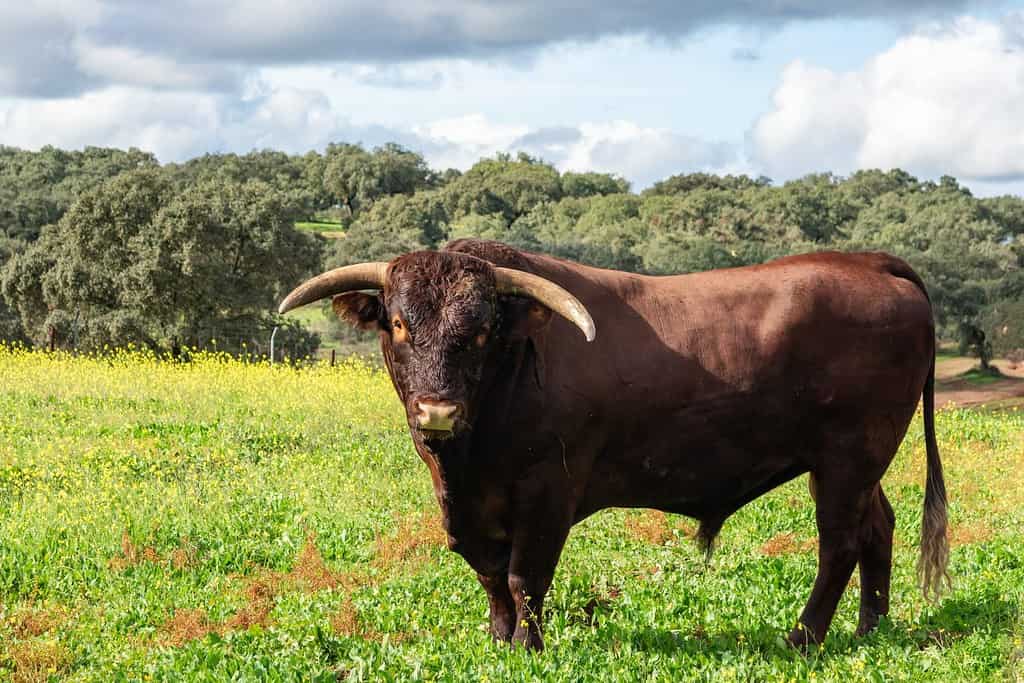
[694, 473]
[716, 456]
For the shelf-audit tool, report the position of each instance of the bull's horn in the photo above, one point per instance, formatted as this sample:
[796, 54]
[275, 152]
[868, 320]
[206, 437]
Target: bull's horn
[519, 283]
[344, 279]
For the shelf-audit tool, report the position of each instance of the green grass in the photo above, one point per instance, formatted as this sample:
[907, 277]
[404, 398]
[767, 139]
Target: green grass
[309, 316]
[326, 228]
[978, 376]
[312, 318]
[223, 521]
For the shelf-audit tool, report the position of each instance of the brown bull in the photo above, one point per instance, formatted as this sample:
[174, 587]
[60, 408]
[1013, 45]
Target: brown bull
[700, 393]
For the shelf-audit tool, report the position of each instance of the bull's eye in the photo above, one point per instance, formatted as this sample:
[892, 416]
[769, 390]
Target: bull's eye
[481, 338]
[398, 331]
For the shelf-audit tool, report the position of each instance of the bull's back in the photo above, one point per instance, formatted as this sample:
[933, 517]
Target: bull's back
[813, 317]
[828, 326]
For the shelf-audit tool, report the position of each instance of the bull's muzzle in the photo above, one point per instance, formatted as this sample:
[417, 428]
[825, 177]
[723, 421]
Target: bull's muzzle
[435, 416]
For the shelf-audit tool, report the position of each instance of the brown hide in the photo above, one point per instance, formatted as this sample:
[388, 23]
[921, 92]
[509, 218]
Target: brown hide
[700, 393]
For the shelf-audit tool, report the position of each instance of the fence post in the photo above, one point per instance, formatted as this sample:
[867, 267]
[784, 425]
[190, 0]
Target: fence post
[53, 337]
[272, 335]
[332, 358]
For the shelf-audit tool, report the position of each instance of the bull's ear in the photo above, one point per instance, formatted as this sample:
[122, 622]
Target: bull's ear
[526, 318]
[359, 309]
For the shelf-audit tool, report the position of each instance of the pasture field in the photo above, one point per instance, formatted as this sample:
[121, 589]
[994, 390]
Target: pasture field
[223, 521]
[325, 228]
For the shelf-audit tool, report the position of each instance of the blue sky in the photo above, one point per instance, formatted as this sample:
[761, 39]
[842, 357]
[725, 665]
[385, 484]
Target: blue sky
[646, 90]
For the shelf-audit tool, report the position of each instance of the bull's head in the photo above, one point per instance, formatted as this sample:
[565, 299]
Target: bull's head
[440, 315]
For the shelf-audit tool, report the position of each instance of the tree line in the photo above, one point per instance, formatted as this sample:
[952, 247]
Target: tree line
[105, 246]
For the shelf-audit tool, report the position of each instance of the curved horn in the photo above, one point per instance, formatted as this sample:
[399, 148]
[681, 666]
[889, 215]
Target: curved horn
[344, 279]
[520, 283]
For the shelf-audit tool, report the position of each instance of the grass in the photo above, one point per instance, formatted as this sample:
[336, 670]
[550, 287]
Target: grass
[326, 228]
[312, 318]
[1004, 405]
[223, 521]
[979, 376]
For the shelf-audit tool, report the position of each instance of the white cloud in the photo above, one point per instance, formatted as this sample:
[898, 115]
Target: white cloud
[642, 154]
[414, 76]
[129, 66]
[461, 141]
[36, 55]
[290, 119]
[945, 100]
[172, 125]
[39, 39]
[177, 125]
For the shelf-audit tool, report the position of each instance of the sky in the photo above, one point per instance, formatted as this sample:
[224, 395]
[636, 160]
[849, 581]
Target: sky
[645, 90]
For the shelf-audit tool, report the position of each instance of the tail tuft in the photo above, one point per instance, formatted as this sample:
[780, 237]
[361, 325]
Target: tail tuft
[707, 532]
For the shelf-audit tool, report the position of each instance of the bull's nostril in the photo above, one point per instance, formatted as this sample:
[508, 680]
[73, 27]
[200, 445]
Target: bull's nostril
[439, 409]
[436, 416]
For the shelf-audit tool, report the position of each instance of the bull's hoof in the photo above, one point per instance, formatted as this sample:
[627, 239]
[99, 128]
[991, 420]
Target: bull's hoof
[867, 624]
[501, 633]
[529, 639]
[801, 638]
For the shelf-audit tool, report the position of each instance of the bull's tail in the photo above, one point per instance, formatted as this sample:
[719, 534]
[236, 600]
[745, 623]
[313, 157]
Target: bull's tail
[931, 567]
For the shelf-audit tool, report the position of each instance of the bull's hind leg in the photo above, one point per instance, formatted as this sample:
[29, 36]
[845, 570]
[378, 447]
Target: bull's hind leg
[841, 509]
[875, 561]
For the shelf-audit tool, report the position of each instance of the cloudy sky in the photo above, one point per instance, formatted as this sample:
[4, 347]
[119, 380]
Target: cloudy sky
[645, 89]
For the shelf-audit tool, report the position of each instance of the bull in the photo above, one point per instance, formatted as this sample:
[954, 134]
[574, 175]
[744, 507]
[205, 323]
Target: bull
[701, 392]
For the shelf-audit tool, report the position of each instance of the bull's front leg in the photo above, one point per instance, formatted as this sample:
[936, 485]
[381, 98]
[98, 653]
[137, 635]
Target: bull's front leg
[537, 543]
[490, 560]
[503, 607]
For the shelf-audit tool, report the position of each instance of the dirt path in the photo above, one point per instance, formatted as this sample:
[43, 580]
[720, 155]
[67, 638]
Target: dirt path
[951, 387]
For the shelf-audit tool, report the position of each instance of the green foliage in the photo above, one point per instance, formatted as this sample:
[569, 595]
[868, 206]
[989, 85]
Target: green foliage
[393, 225]
[1005, 322]
[867, 185]
[135, 261]
[604, 231]
[355, 178]
[76, 276]
[689, 182]
[219, 257]
[10, 322]
[502, 185]
[387, 201]
[133, 490]
[493, 226]
[591, 184]
[36, 188]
